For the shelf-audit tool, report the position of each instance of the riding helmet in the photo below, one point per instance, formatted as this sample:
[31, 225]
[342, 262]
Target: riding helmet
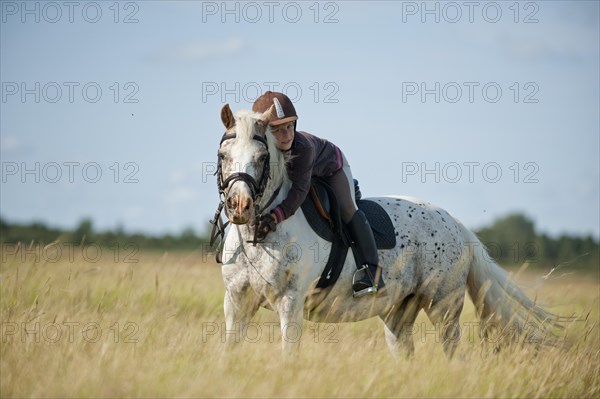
[282, 112]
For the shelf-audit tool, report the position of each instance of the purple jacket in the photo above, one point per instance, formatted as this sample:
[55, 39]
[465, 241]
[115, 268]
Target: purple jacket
[310, 156]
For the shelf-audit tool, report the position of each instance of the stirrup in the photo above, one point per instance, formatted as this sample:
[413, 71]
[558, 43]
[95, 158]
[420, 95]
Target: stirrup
[366, 291]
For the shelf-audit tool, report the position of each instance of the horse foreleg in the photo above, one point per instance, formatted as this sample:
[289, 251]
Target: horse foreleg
[399, 328]
[290, 318]
[239, 307]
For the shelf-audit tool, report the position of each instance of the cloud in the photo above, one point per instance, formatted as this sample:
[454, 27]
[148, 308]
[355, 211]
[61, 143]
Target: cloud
[9, 144]
[545, 48]
[134, 213]
[14, 147]
[178, 177]
[558, 37]
[182, 195]
[198, 51]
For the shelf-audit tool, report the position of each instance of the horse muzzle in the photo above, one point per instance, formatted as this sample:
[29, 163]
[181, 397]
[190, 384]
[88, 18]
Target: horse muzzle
[239, 208]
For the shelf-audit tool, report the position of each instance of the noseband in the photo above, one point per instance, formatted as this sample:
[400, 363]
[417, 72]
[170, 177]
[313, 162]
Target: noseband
[257, 189]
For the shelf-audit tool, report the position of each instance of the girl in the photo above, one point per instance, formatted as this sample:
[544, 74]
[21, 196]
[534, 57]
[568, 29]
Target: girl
[314, 156]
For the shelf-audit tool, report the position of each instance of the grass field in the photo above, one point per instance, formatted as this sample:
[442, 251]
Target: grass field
[153, 328]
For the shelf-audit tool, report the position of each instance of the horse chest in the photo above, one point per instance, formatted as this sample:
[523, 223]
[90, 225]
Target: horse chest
[270, 280]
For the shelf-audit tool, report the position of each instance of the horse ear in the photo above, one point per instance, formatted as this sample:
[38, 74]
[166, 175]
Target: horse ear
[227, 117]
[267, 115]
[261, 126]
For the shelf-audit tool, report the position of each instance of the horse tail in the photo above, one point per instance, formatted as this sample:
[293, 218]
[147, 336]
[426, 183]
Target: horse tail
[500, 302]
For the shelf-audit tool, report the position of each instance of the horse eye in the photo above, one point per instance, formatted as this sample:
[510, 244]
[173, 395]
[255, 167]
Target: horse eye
[220, 155]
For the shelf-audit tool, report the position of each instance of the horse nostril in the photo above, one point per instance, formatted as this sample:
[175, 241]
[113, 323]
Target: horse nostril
[230, 203]
[247, 204]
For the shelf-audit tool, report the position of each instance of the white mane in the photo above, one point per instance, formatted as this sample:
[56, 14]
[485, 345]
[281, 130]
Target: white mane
[245, 121]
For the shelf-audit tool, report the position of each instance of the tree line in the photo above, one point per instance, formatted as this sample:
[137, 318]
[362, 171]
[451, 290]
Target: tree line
[511, 240]
[84, 233]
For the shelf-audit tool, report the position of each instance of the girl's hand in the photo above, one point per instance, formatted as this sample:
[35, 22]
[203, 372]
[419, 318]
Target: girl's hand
[266, 224]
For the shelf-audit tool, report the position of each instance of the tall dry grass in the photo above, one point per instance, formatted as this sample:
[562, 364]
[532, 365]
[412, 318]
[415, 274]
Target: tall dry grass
[75, 328]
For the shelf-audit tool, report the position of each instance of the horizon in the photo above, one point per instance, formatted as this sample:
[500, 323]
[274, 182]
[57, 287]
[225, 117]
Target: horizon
[126, 231]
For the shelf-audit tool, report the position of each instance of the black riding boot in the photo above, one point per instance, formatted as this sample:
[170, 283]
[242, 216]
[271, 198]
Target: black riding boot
[367, 279]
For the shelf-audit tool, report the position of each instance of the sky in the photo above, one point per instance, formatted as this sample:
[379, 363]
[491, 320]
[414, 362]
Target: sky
[111, 110]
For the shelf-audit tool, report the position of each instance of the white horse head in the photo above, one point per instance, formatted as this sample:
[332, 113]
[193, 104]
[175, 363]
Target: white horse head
[250, 165]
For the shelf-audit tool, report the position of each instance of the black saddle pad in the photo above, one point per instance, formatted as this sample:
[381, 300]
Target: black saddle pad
[381, 224]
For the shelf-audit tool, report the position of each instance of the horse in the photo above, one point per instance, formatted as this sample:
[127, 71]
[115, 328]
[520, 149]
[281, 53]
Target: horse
[435, 260]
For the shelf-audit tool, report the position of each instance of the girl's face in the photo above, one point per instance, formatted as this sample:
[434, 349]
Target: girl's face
[284, 135]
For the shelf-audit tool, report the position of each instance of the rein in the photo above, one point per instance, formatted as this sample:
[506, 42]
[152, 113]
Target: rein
[257, 190]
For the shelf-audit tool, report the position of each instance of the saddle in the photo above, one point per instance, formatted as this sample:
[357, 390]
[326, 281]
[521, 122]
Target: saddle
[322, 212]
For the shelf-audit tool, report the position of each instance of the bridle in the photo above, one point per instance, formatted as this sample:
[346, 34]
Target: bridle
[257, 190]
